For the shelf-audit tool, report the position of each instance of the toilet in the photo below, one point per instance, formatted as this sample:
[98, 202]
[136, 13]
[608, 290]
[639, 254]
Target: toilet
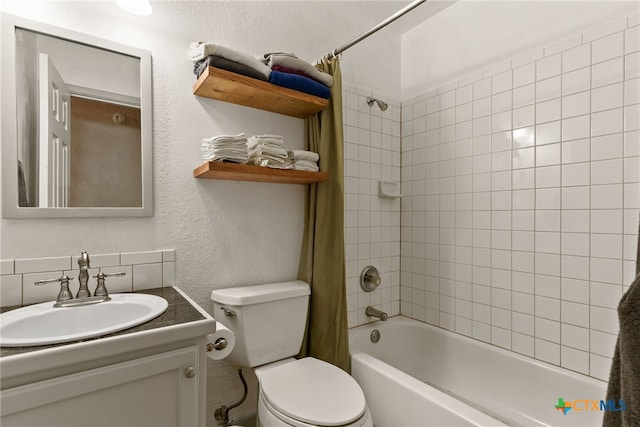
[268, 322]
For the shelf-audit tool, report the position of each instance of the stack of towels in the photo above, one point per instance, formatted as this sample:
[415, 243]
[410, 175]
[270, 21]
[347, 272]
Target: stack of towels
[204, 55]
[269, 151]
[225, 148]
[282, 69]
[287, 70]
[304, 160]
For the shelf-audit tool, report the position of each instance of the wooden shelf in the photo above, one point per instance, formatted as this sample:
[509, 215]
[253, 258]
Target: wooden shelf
[236, 172]
[238, 89]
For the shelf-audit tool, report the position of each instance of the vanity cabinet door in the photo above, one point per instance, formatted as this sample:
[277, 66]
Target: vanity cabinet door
[158, 390]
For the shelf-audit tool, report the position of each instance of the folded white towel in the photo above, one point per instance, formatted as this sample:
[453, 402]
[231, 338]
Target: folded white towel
[200, 50]
[275, 140]
[295, 63]
[304, 165]
[231, 148]
[273, 150]
[304, 155]
[269, 163]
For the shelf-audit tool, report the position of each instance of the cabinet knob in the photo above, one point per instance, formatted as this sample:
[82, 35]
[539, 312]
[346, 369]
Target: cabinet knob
[190, 372]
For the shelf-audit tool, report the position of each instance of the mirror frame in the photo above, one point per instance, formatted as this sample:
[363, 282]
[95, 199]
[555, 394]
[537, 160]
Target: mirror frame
[9, 145]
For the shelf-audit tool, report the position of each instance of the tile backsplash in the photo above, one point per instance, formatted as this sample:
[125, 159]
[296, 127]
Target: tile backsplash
[144, 270]
[521, 191]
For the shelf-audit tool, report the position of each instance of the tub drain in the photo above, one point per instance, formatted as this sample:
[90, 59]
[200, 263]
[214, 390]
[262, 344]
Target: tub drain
[375, 336]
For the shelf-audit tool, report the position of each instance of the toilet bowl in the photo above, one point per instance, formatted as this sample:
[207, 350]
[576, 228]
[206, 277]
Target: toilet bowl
[268, 322]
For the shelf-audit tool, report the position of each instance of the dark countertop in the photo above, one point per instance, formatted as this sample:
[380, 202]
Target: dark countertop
[179, 311]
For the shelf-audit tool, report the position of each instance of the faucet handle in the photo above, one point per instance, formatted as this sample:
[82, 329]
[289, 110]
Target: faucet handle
[65, 293]
[101, 289]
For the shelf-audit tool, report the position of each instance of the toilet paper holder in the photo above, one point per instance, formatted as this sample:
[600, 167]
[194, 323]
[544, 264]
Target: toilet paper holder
[219, 344]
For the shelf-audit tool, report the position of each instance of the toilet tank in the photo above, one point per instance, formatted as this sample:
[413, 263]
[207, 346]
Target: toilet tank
[268, 321]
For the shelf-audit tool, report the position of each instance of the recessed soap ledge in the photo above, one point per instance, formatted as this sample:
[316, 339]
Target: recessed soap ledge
[389, 189]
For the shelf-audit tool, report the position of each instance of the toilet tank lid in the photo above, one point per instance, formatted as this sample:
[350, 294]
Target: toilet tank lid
[255, 294]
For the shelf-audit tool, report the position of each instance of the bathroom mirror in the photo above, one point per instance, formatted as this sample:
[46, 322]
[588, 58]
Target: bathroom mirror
[76, 124]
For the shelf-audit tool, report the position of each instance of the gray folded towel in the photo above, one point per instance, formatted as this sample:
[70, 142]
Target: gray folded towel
[624, 380]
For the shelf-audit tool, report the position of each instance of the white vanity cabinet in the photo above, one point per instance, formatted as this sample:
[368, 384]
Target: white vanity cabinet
[151, 375]
[157, 390]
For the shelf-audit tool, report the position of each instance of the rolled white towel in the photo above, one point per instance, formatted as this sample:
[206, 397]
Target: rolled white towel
[304, 155]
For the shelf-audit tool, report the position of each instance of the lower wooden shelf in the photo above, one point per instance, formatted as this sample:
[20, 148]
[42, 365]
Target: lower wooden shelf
[237, 172]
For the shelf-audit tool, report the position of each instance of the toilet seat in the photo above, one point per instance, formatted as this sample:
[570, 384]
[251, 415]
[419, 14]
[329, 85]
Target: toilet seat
[312, 392]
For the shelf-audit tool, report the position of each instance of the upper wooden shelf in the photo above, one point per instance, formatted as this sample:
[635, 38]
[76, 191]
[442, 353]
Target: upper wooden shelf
[226, 86]
[236, 172]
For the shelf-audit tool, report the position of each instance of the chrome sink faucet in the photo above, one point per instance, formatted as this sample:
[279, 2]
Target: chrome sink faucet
[83, 277]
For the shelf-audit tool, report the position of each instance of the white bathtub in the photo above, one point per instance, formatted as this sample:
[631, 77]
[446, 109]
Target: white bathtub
[484, 385]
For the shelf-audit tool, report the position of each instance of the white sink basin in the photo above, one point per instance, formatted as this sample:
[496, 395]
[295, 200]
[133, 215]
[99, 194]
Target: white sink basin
[41, 324]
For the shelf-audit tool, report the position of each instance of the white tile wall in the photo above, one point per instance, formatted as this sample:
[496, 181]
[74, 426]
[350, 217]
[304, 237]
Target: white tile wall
[144, 270]
[521, 200]
[372, 224]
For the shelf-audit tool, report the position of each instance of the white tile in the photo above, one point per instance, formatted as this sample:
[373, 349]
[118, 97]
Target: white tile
[607, 147]
[168, 273]
[606, 270]
[632, 91]
[606, 172]
[548, 198]
[97, 260]
[549, 309]
[576, 105]
[547, 264]
[10, 290]
[632, 196]
[607, 48]
[599, 367]
[575, 174]
[606, 196]
[523, 199]
[464, 94]
[547, 155]
[577, 221]
[35, 265]
[604, 319]
[574, 336]
[606, 221]
[523, 323]
[501, 102]
[524, 178]
[481, 107]
[501, 82]
[573, 290]
[118, 284]
[606, 246]
[524, 137]
[630, 221]
[575, 314]
[607, 122]
[548, 111]
[632, 118]
[524, 75]
[524, 116]
[6, 266]
[548, 67]
[575, 267]
[548, 89]
[575, 197]
[482, 126]
[548, 133]
[547, 351]
[576, 151]
[130, 258]
[607, 97]
[525, 95]
[576, 81]
[632, 40]
[603, 343]
[547, 242]
[523, 303]
[574, 360]
[630, 247]
[605, 294]
[501, 122]
[576, 128]
[576, 58]
[482, 88]
[32, 293]
[607, 72]
[447, 100]
[501, 161]
[576, 244]
[147, 276]
[548, 176]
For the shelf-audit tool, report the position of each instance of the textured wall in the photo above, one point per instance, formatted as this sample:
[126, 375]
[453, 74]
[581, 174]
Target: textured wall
[225, 233]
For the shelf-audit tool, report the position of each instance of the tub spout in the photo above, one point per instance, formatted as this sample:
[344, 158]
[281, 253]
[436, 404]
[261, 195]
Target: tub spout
[376, 313]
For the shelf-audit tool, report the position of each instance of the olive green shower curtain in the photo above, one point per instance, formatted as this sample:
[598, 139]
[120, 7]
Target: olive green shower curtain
[322, 263]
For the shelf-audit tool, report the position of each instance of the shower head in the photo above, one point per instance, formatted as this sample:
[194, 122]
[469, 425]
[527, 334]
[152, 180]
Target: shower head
[381, 104]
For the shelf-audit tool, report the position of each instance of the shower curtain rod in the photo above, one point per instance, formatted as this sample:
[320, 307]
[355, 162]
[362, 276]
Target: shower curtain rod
[380, 26]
